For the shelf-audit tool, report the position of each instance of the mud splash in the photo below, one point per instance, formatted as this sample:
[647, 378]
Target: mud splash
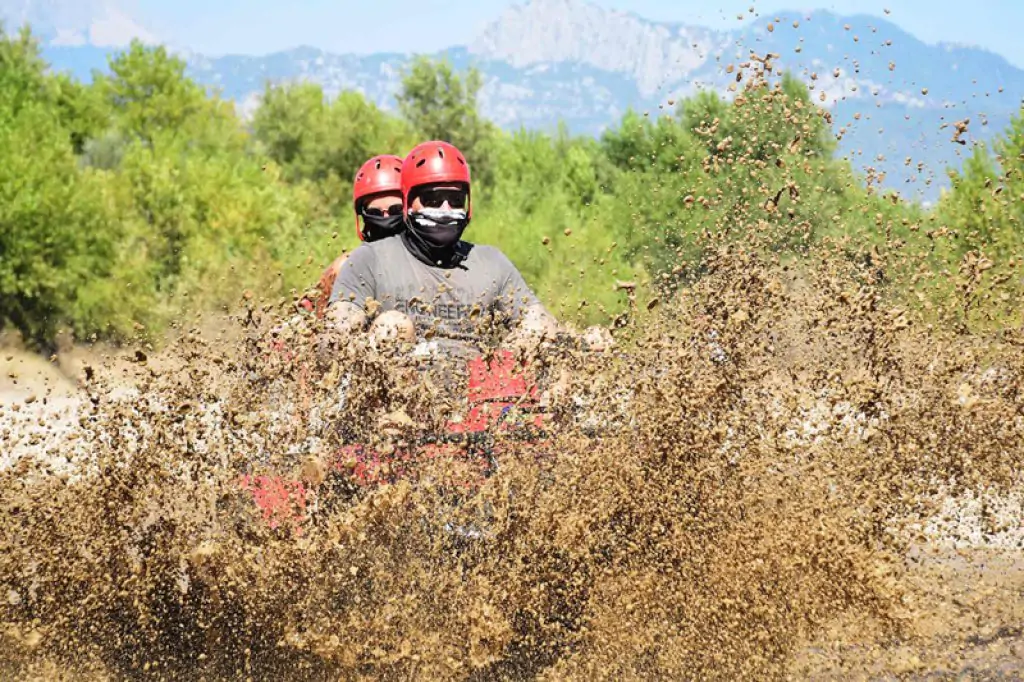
[754, 486]
[763, 476]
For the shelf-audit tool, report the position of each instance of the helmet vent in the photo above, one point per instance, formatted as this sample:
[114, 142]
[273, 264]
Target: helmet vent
[378, 164]
[440, 152]
[420, 162]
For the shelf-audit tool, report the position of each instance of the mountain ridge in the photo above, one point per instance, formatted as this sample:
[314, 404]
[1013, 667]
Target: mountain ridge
[545, 61]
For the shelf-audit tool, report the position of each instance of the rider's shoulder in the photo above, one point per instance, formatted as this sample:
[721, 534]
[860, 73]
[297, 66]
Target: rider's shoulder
[389, 243]
[368, 252]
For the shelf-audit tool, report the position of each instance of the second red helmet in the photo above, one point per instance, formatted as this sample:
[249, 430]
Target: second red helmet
[379, 174]
[431, 163]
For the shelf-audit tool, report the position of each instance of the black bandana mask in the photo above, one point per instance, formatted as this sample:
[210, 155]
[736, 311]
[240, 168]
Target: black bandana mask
[434, 233]
[378, 227]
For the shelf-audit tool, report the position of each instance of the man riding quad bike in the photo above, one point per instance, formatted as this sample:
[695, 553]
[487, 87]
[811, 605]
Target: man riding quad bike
[428, 284]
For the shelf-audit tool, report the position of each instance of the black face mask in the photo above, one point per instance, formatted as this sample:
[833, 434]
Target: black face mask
[433, 236]
[379, 227]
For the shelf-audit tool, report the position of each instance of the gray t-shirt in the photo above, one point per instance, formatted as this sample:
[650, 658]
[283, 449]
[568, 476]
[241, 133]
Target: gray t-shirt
[449, 302]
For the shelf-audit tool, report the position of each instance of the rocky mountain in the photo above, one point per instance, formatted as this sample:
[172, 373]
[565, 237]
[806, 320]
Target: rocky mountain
[558, 31]
[546, 61]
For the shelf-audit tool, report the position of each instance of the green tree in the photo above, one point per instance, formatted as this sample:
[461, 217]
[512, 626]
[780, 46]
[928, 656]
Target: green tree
[82, 111]
[969, 205]
[22, 71]
[151, 97]
[289, 123]
[1008, 192]
[978, 233]
[325, 142]
[55, 232]
[629, 145]
[440, 104]
[982, 206]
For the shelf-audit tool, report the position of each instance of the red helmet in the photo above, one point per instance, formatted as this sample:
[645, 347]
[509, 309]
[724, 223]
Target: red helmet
[433, 163]
[379, 174]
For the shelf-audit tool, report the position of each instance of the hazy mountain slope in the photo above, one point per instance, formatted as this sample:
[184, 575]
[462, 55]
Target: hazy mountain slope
[549, 60]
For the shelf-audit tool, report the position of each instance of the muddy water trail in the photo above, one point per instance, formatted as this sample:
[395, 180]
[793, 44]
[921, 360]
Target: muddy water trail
[785, 485]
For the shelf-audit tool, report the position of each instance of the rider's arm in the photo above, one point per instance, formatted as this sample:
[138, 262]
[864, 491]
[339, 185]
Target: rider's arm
[326, 285]
[354, 285]
[531, 319]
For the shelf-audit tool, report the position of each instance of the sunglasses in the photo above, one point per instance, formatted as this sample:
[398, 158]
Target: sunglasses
[374, 212]
[435, 198]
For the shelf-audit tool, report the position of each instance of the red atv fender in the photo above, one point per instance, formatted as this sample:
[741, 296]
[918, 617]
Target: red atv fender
[281, 502]
[496, 385]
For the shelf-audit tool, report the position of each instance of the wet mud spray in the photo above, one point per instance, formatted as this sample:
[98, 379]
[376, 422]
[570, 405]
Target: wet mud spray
[780, 473]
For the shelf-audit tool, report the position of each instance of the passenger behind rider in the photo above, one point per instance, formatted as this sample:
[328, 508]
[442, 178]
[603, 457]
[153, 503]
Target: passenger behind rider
[428, 279]
[377, 199]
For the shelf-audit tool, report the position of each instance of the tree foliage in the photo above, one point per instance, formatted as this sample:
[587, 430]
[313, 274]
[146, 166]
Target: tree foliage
[128, 200]
[441, 104]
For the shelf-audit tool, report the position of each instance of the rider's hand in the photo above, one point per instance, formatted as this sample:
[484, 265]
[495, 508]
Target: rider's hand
[340, 323]
[392, 326]
[345, 319]
[536, 326]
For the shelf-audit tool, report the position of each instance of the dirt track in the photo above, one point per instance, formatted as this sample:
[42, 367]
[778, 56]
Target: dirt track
[968, 625]
[38, 401]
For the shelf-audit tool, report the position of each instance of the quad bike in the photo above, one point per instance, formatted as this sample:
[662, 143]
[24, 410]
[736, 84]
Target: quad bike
[503, 404]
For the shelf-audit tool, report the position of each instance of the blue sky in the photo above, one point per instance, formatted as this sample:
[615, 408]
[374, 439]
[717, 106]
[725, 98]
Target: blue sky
[260, 26]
